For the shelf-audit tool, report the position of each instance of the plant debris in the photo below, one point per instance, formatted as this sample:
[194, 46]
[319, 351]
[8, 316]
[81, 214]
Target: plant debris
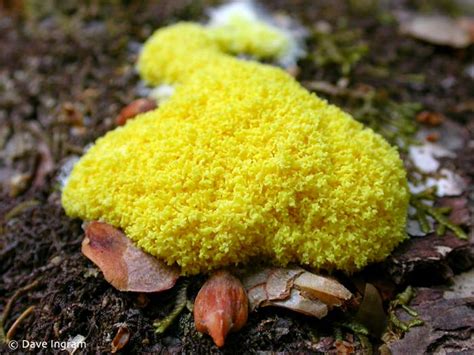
[125, 266]
[295, 289]
[436, 29]
[120, 339]
[134, 108]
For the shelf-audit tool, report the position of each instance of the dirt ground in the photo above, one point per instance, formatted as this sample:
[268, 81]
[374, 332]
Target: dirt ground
[65, 73]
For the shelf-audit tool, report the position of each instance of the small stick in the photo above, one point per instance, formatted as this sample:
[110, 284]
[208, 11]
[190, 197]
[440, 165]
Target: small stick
[17, 294]
[9, 305]
[11, 332]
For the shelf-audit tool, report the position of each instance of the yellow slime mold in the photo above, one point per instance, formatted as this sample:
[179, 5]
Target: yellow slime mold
[241, 163]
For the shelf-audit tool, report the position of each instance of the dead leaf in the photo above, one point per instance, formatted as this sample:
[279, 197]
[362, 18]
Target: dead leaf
[295, 289]
[430, 118]
[134, 108]
[439, 30]
[121, 339]
[126, 267]
[371, 313]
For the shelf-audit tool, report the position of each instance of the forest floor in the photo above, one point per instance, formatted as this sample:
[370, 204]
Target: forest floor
[67, 71]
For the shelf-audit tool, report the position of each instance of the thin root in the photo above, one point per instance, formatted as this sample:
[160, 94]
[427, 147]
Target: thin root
[11, 332]
[8, 307]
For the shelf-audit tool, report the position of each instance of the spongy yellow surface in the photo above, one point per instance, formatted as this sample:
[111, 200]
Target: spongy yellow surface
[240, 164]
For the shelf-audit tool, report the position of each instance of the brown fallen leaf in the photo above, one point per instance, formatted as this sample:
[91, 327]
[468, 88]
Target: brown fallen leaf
[371, 313]
[126, 267]
[221, 306]
[133, 109]
[439, 30]
[430, 118]
[121, 339]
[295, 289]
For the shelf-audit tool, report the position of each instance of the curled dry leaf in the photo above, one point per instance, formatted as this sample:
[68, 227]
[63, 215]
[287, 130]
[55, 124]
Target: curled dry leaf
[126, 267]
[221, 306]
[133, 109]
[296, 289]
[121, 339]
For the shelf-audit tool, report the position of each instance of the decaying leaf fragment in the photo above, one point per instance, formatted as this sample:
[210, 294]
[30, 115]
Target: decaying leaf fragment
[121, 338]
[371, 313]
[126, 267]
[295, 289]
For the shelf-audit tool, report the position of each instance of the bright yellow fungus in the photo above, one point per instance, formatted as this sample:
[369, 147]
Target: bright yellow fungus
[240, 164]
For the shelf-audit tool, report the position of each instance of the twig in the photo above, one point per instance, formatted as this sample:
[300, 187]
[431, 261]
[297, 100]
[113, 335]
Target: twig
[20, 208]
[11, 332]
[9, 305]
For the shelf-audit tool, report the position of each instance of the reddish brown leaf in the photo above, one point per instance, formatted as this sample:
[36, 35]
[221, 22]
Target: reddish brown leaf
[133, 109]
[430, 118]
[126, 267]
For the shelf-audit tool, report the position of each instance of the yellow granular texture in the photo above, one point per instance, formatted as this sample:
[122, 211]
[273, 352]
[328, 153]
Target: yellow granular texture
[241, 164]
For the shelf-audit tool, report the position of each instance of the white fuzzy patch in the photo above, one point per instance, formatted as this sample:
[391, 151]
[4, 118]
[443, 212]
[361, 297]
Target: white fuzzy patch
[222, 15]
[66, 170]
[161, 93]
[246, 9]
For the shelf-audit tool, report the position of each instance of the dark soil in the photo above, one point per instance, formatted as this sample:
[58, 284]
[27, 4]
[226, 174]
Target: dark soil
[65, 73]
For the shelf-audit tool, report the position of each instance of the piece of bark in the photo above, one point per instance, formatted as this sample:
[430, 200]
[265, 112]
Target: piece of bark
[126, 267]
[430, 259]
[460, 210]
[448, 325]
